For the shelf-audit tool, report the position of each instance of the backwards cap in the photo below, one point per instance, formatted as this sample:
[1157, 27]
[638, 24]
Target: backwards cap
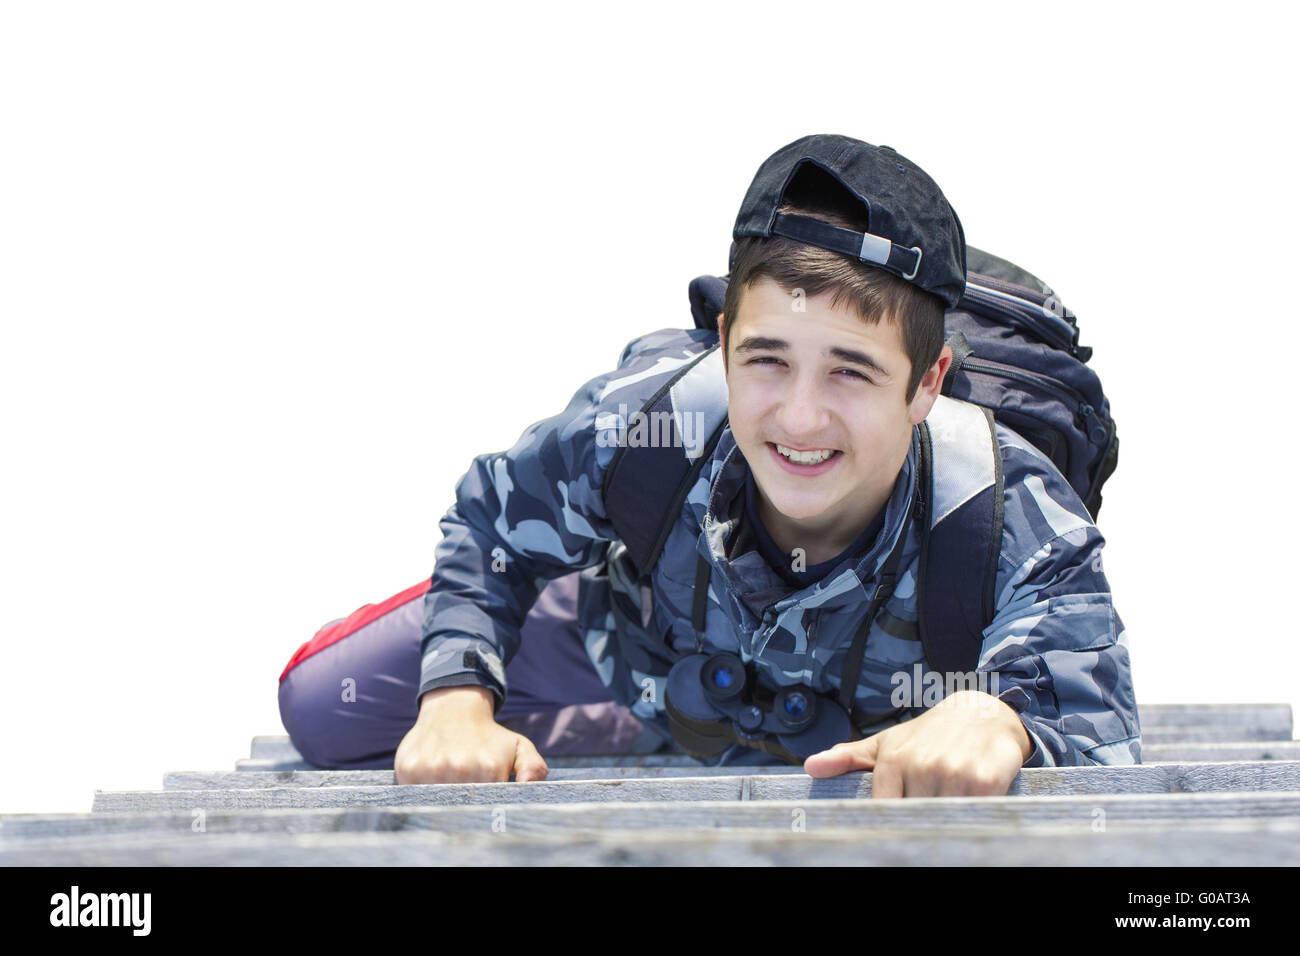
[912, 230]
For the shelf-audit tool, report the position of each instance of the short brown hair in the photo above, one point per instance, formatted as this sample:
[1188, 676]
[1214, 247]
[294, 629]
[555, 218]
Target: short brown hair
[873, 293]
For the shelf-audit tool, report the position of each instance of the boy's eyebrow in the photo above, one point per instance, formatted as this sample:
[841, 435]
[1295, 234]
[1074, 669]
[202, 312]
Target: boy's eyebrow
[759, 343]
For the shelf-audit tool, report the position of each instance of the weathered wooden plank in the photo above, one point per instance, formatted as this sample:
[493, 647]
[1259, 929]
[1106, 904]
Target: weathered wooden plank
[575, 791]
[1047, 781]
[1236, 843]
[1161, 723]
[1177, 752]
[1189, 752]
[247, 780]
[1147, 778]
[1214, 723]
[1258, 776]
[257, 764]
[269, 747]
[1272, 717]
[1088, 811]
[607, 760]
[1213, 734]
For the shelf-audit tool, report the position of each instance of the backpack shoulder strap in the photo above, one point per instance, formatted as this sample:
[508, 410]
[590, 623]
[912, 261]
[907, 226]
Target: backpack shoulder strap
[650, 476]
[962, 533]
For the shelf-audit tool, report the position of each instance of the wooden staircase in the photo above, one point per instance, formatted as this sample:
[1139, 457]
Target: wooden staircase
[1220, 786]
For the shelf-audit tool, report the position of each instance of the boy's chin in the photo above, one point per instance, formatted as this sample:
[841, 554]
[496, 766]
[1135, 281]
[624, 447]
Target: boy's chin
[796, 507]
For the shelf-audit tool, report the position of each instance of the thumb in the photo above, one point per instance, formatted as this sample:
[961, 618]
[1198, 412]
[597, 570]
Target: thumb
[843, 758]
[529, 764]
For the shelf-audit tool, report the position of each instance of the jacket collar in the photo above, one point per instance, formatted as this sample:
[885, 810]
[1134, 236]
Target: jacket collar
[753, 584]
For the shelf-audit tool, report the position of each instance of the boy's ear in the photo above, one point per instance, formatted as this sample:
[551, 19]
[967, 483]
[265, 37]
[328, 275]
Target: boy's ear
[930, 388]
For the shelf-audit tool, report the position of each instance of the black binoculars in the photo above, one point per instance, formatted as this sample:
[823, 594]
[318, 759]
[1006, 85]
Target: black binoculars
[714, 701]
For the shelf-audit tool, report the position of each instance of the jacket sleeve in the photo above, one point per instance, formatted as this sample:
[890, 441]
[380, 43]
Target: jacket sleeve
[525, 516]
[1056, 645]
[520, 518]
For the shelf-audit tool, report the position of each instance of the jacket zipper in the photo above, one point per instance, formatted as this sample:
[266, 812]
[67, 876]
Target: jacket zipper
[812, 628]
[765, 628]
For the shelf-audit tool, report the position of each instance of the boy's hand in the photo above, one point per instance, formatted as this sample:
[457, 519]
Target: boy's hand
[455, 740]
[969, 744]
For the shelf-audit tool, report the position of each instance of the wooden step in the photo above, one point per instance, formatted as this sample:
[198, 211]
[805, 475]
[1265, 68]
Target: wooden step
[1254, 776]
[1086, 810]
[1145, 778]
[245, 779]
[1178, 820]
[1254, 842]
[1161, 724]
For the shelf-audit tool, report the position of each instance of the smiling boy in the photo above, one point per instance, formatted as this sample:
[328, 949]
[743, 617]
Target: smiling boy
[839, 390]
[783, 604]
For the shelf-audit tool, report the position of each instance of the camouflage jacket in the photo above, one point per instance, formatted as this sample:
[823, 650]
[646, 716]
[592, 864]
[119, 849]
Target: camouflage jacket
[1055, 651]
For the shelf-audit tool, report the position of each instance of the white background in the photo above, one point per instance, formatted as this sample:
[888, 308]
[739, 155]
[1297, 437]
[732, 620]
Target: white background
[272, 274]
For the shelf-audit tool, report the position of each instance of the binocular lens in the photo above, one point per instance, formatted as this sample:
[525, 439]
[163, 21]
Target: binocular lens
[796, 708]
[723, 676]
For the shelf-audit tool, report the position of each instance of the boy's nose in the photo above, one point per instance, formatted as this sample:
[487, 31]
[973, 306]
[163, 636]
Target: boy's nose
[802, 417]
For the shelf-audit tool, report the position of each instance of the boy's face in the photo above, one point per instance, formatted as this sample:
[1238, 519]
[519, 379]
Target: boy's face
[806, 396]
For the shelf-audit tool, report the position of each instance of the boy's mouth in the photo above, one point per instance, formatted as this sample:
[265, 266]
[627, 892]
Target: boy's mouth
[805, 463]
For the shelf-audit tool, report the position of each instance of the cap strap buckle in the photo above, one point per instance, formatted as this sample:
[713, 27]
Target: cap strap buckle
[866, 246]
[878, 249]
[917, 267]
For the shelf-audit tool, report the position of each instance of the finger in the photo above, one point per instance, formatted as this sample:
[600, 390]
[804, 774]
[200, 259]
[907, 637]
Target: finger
[842, 758]
[986, 781]
[924, 783]
[944, 778]
[417, 773]
[887, 780]
[455, 770]
[529, 764]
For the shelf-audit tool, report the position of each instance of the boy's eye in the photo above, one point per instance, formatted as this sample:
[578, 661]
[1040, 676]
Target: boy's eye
[767, 359]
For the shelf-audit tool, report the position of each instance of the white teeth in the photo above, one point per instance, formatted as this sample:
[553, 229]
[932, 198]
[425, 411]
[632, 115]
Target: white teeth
[805, 457]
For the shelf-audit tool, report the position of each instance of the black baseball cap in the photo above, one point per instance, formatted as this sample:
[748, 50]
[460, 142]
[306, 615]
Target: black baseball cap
[912, 230]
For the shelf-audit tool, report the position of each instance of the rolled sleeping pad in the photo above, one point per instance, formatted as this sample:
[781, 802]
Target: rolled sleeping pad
[348, 695]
